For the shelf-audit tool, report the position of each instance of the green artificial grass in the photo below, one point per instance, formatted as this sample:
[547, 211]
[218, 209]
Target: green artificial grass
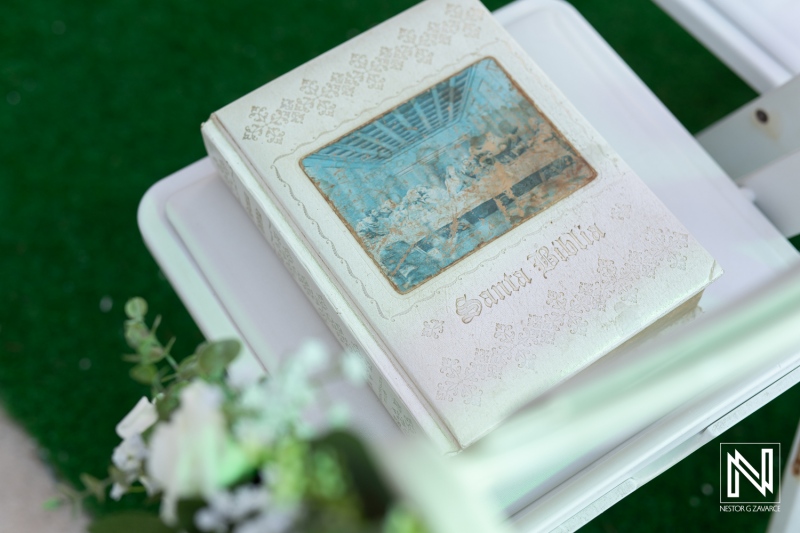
[99, 100]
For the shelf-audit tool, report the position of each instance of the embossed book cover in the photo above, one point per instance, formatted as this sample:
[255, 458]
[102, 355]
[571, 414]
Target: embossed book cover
[452, 217]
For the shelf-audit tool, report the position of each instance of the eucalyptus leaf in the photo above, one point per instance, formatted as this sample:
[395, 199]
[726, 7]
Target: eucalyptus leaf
[96, 487]
[150, 350]
[136, 308]
[53, 503]
[136, 333]
[215, 357]
[169, 401]
[374, 494]
[117, 475]
[187, 369]
[199, 348]
[144, 373]
[168, 348]
[68, 492]
[186, 511]
[154, 353]
[130, 522]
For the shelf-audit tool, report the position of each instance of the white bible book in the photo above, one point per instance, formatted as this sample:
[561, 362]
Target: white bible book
[453, 218]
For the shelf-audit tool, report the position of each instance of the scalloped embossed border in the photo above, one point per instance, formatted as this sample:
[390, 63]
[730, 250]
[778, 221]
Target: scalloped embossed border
[450, 67]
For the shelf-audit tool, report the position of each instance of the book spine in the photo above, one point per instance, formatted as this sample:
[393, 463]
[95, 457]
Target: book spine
[388, 397]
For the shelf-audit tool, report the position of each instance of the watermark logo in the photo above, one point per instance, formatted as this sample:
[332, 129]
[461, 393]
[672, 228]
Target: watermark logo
[750, 474]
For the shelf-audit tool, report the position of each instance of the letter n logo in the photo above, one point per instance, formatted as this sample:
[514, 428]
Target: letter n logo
[750, 472]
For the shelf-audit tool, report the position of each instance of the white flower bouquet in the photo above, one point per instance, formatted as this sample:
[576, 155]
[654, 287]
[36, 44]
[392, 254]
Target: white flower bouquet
[229, 452]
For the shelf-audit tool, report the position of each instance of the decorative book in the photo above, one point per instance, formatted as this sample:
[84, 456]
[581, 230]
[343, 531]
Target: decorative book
[453, 218]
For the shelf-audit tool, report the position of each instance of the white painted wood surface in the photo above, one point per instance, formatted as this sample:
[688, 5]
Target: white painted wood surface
[229, 278]
[757, 39]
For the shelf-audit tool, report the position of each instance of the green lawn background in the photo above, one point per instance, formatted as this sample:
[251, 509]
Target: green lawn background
[99, 100]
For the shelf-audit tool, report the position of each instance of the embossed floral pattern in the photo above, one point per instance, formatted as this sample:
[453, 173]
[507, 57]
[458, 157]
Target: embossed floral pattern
[516, 347]
[263, 127]
[318, 95]
[460, 382]
[621, 211]
[569, 313]
[667, 244]
[489, 364]
[591, 296]
[432, 328]
[401, 418]
[619, 281]
[465, 19]
[540, 330]
[504, 333]
[226, 173]
[287, 257]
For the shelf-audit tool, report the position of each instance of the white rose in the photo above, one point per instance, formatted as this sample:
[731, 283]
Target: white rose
[193, 454]
[142, 416]
[131, 452]
[128, 458]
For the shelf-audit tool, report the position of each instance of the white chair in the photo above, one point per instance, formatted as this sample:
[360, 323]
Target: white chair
[757, 39]
[758, 145]
[234, 285]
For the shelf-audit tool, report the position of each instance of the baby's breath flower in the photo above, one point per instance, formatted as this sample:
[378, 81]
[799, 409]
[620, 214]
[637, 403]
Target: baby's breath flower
[274, 520]
[228, 508]
[338, 415]
[275, 406]
[312, 356]
[208, 519]
[354, 368]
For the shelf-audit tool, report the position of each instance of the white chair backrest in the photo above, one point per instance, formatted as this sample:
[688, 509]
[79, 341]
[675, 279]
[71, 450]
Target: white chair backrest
[757, 39]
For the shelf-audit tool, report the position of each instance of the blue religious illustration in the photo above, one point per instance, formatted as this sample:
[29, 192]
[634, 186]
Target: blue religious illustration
[446, 172]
